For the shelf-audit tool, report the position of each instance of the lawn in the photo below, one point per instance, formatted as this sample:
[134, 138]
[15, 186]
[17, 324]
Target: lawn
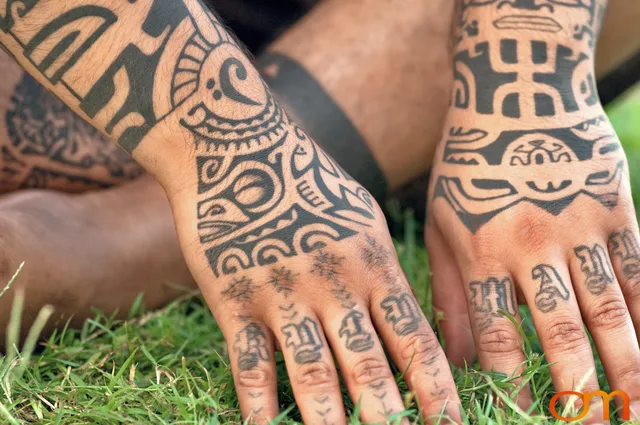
[171, 366]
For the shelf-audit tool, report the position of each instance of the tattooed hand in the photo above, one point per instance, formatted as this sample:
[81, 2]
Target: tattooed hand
[530, 192]
[283, 243]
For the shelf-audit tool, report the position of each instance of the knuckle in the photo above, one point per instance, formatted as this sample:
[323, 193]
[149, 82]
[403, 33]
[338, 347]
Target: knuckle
[316, 376]
[261, 376]
[498, 340]
[631, 287]
[609, 313]
[629, 375]
[565, 334]
[419, 346]
[369, 370]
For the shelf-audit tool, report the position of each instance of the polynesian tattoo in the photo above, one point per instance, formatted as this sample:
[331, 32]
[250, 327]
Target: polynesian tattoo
[552, 288]
[512, 75]
[594, 263]
[322, 118]
[490, 296]
[403, 313]
[626, 247]
[49, 146]
[142, 70]
[251, 347]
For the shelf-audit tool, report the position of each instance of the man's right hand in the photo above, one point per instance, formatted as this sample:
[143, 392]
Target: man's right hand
[285, 246]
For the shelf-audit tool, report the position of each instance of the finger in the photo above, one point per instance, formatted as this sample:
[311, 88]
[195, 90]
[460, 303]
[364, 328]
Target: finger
[497, 339]
[254, 371]
[416, 351]
[449, 300]
[557, 319]
[624, 249]
[363, 363]
[310, 365]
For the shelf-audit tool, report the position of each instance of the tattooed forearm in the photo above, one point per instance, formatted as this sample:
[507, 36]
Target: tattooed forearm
[322, 118]
[49, 146]
[145, 70]
[489, 296]
[551, 290]
[519, 67]
[594, 263]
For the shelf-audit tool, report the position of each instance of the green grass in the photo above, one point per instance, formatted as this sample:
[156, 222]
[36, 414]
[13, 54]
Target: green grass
[171, 366]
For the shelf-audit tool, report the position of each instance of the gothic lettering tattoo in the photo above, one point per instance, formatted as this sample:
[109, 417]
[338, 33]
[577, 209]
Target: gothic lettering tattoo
[552, 288]
[265, 190]
[403, 312]
[594, 263]
[305, 339]
[588, 154]
[625, 246]
[489, 296]
[51, 147]
[251, 347]
[357, 339]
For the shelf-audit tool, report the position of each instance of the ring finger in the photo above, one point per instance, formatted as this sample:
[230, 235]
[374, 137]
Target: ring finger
[363, 363]
[557, 319]
[606, 315]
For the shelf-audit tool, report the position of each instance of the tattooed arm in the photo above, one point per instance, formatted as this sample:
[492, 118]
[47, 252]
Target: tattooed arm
[283, 243]
[530, 182]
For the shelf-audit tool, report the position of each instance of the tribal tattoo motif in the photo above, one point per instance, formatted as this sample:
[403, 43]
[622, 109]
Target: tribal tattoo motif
[490, 296]
[512, 75]
[557, 165]
[594, 263]
[50, 146]
[265, 190]
[551, 289]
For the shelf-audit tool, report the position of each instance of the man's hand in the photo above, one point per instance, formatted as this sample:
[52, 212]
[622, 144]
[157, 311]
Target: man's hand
[530, 196]
[285, 246]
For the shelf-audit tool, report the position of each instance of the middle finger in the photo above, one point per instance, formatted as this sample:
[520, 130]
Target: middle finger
[556, 316]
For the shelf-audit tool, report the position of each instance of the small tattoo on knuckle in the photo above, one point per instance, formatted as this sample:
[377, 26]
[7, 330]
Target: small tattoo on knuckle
[551, 289]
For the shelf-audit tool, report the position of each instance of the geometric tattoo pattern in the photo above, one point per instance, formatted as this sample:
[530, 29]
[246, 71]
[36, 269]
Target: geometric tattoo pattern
[265, 190]
[519, 79]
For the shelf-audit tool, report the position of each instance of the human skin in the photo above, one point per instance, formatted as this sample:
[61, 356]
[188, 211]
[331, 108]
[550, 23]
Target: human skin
[530, 194]
[261, 211]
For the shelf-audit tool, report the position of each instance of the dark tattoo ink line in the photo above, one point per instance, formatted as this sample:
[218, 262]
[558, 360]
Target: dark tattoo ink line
[322, 118]
[552, 288]
[594, 263]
